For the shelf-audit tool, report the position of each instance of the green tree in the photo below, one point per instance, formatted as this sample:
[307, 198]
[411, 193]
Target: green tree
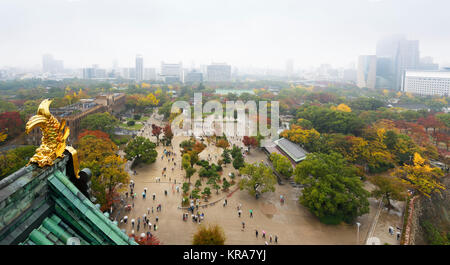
[281, 164]
[165, 109]
[195, 194]
[226, 156]
[235, 151]
[258, 178]
[206, 192]
[6, 106]
[238, 161]
[99, 121]
[14, 159]
[212, 235]
[141, 150]
[389, 188]
[226, 185]
[185, 187]
[333, 190]
[189, 172]
[186, 161]
[216, 187]
[198, 183]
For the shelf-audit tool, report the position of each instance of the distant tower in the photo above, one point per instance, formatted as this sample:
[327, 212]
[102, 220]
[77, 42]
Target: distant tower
[47, 63]
[289, 68]
[139, 68]
[367, 71]
[408, 58]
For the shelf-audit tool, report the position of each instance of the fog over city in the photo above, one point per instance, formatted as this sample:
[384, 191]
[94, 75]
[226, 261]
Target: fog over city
[257, 33]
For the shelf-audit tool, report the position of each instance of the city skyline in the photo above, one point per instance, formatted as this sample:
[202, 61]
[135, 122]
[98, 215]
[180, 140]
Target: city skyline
[257, 34]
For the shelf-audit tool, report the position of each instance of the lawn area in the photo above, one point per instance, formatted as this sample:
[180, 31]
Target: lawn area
[142, 119]
[136, 126]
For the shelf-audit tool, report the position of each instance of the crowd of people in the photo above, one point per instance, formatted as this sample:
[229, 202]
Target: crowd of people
[143, 223]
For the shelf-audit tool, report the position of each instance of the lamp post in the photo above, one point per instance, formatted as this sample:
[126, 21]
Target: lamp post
[357, 232]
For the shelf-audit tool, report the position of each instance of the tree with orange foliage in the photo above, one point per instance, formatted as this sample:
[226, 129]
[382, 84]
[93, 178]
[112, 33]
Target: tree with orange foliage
[96, 133]
[223, 143]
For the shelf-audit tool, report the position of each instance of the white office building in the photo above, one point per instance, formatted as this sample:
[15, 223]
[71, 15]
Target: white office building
[172, 72]
[149, 74]
[219, 72]
[426, 82]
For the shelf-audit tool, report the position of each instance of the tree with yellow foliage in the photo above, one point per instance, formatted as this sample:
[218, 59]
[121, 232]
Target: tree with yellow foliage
[301, 136]
[421, 176]
[112, 180]
[145, 85]
[3, 136]
[341, 107]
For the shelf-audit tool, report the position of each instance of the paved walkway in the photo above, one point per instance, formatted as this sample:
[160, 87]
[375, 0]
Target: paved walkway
[291, 222]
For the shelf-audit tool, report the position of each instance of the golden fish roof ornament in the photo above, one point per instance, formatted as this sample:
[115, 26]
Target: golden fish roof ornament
[54, 135]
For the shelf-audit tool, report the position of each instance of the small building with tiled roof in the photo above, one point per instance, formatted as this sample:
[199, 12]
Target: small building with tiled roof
[283, 146]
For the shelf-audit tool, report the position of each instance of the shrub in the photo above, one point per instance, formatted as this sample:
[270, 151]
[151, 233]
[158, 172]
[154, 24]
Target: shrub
[212, 235]
[137, 117]
[130, 123]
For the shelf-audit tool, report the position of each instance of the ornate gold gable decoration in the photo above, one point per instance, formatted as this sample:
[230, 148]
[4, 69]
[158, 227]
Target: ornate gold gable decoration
[54, 135]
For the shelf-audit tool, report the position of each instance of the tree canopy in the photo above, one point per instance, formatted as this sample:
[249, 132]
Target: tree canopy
[333, 189]
[258, 178]
[99, 121]
[141, 150]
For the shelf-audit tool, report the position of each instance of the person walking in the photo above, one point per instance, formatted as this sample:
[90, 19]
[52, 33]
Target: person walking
[132, 223]
[125, 219]
[256, 232]
[251, 213]
[154, 196]
[156, 218]
[270, 238]
[276, 239]
[263, 234]
[239, 213]
[243, 226]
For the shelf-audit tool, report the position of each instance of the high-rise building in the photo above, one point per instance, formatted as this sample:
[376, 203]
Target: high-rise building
[193, 77]
[50, 65]
[349, 75]
[219, 72]
[367, 71]
[149, 74]
[408, 58]
[139, 68]
[289, 67]
[426, 63]
[427, 82]
[172, 73]
[88, 73]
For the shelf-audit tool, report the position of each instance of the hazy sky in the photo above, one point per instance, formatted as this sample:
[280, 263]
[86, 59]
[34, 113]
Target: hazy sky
[258, 33]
